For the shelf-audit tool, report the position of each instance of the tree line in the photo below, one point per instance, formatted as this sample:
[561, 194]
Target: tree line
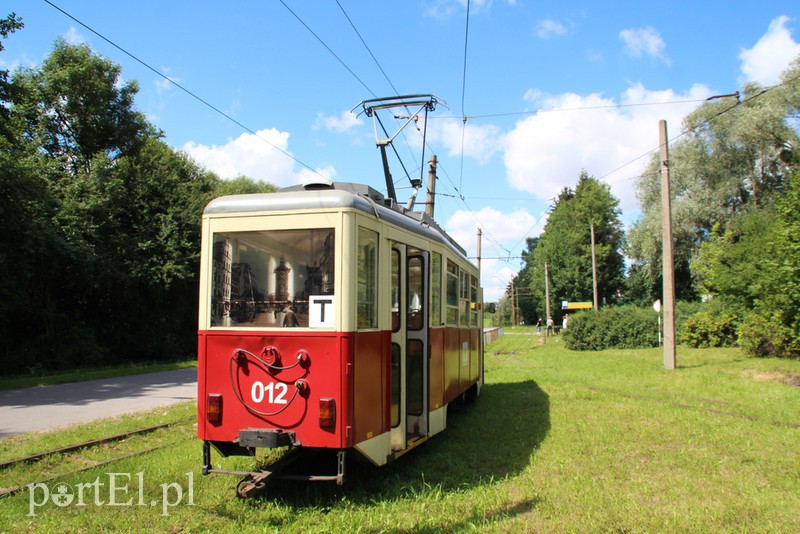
[99, 241]
[735, 179]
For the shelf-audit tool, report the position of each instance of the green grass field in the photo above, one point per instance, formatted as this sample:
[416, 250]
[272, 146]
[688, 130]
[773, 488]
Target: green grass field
[558, 441]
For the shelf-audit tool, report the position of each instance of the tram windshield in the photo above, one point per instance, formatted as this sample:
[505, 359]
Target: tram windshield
[273, 279]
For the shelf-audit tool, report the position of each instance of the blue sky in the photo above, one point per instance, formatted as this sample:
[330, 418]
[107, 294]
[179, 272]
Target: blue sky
[549, 89]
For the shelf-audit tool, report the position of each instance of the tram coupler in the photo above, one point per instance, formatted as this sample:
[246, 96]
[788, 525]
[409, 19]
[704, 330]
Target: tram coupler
[252, 485]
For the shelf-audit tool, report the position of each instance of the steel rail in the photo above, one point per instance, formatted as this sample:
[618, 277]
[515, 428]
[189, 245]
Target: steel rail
[84, 445]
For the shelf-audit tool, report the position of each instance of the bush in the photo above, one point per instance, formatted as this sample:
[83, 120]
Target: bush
[707, 329]
[683, 310]
[762, 336]
[626, 327]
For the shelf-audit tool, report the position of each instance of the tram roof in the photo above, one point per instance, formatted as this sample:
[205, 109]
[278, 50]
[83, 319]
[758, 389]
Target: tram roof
[338, 195]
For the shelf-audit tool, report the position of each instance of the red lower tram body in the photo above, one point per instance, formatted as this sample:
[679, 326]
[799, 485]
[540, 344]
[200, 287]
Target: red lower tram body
[326, 390]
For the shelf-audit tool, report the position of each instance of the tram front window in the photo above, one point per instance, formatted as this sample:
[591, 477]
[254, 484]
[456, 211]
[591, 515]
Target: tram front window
[272, 279]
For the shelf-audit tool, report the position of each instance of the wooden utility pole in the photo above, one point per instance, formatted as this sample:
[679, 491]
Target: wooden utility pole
[480, 234]
[513, 306]
[594, 271]
[667, 262]
[432, 190]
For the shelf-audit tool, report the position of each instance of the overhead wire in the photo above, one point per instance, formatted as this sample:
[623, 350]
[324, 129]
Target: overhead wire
[463, 96]
[328, 48]
[560, 110]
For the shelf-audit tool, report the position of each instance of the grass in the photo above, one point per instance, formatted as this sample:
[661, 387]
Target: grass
[559, 441]
[79, 375]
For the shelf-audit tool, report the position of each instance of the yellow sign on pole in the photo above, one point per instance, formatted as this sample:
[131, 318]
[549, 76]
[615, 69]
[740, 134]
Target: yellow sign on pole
[575, 305]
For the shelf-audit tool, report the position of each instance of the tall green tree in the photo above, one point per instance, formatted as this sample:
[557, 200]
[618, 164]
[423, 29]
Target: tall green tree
[8, 25]
[734, 157]
[77, 107]
[565, 245]
[529, 302]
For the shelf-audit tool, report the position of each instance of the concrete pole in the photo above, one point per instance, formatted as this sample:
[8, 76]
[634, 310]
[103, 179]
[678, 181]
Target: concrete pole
[667, 262]
[546, 296]
[594, 271]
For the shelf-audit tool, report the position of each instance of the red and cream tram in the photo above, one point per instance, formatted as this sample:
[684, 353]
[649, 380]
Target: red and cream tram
[330, 318]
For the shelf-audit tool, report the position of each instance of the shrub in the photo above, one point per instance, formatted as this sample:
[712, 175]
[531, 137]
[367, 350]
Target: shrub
[762, 336]
[707, 329]
[626, 327]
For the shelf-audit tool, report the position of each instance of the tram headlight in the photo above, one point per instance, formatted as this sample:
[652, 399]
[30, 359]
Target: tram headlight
[327, 412]
[214, 408]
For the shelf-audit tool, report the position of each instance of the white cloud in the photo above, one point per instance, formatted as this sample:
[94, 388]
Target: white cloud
[547, 151]
[547, 28]
[341, 123]
[307, 176]
[644, 42]
[480, 142]
[251, 156]
[770, 56]
[163, 85]
[443, 9]
[73, 36]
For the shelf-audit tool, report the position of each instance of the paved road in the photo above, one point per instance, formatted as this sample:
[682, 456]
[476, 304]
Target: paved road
[49, 407]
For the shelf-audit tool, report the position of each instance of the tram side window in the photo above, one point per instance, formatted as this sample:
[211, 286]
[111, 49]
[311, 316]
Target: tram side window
[395, 293]
[267, 279]
[416, 314]
[436, 289]
[452, 293]
[367, 278]
[473, 298]
[464, 301]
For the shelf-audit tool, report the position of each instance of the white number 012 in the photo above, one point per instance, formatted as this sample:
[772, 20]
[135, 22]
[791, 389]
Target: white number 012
[275, 392]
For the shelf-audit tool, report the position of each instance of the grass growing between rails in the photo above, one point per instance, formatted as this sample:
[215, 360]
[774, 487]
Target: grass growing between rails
[557, 441]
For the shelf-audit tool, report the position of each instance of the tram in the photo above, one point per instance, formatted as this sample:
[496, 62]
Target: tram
[330, 319]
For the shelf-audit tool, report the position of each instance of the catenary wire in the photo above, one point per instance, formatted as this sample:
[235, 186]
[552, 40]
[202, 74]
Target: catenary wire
[328, 48]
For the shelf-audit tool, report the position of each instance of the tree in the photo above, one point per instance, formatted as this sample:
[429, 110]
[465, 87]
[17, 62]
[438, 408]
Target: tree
[8, 25]
[734, 156]
[528, 301]
[565, 245]
[76, 107]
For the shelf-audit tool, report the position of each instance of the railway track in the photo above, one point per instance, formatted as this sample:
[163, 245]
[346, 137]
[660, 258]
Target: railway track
[5, 492]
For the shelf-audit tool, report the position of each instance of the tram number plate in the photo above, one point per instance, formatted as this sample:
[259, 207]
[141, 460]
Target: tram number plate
[273, 392]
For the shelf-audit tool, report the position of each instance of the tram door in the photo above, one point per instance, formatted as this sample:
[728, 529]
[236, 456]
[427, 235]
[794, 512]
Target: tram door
[409, 345]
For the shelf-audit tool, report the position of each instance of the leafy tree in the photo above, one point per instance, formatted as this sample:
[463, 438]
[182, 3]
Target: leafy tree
[528, 301]
[76, 107]
[565, 245]
[733, 157]
[731, 264]
[8, 25]
[774, 327]
[242, 185]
